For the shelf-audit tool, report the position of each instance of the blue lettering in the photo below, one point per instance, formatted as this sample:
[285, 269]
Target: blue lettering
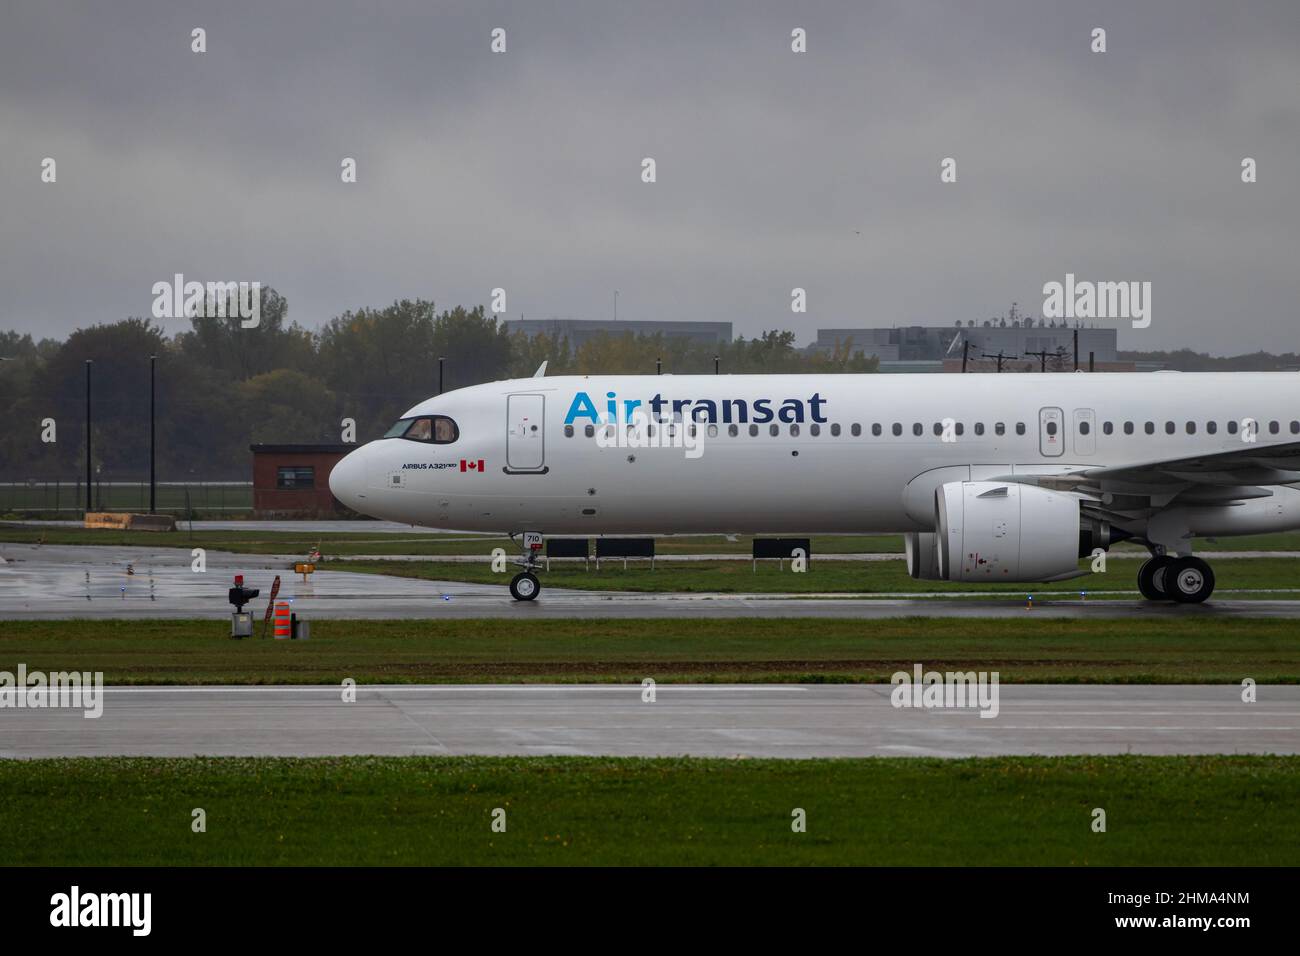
[582, 407]
[760, 410]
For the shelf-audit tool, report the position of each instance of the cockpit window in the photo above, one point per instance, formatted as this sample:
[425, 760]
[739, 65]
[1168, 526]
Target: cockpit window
[438, 429]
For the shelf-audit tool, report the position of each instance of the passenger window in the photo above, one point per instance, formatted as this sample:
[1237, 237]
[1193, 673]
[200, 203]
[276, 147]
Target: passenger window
[1272, 428]
[1232, 426]
[938, 429]
[1000, 428]
[856, 430]
[1295, 428]
[918, 429]
[897, 429]
[1212, 427]
[979, 428]
[1150, 428]
[1191, 428]
[875, 430]
[1169, 428]
[1108, 428]
[568, 431]
[960, 428]
[794, 431]
[1128, 428]
[1020, 428]
[1084, 428]
[733, 430]
[1051, 428]
[814, 430]
[589, 430]
[753, 431]
[835, 430]
[774, 430]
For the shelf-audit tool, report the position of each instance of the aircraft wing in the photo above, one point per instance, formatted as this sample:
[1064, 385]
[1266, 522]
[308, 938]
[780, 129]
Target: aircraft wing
[1137, 489]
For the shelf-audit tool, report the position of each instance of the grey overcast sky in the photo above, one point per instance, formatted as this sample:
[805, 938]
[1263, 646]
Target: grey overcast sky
[775, 170]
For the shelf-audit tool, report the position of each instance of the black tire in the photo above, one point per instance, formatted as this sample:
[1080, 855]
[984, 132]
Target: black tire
[1152, 577]
[1189, 580]
[524, 586]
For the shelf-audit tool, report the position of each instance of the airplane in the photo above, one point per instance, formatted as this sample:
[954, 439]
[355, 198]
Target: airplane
[1012, 477]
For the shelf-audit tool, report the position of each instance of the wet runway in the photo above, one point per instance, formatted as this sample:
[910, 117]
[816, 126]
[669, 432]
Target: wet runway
[69, 581]
[697, 720]
[305, 527]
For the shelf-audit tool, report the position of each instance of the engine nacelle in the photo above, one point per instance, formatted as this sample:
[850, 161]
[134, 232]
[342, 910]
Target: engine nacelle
[1003, 531]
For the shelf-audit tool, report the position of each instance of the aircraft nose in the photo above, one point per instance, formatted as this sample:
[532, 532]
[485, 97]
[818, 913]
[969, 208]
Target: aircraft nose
[347, 479]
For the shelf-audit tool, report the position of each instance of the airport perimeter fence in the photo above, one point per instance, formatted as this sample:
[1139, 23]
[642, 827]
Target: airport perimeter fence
[53, 495]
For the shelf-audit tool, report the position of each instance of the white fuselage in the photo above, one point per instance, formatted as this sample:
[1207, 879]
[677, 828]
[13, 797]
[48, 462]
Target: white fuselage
[538, 475]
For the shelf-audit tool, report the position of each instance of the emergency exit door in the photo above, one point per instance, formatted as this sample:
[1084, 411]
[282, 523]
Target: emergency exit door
[525, 418]
[1051, 437]
[1085, 431]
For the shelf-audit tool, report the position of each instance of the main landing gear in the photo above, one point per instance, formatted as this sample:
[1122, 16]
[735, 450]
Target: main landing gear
[1187, 580]
[525, 586]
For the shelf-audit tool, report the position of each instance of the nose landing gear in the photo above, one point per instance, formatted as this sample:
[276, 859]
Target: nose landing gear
[525, 586]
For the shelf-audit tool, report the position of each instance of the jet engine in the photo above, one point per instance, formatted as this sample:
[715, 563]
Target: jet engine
[1003, 531]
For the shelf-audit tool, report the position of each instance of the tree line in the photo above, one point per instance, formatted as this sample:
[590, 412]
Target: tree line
[221, 387]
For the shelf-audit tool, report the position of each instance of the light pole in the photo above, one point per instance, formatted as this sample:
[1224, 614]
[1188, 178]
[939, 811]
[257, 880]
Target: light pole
[153, 484]
[89, 506]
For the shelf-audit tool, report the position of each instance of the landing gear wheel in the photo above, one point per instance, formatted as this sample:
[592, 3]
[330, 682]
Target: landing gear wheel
[1153, 578]
[524, 586]
[1189, 580]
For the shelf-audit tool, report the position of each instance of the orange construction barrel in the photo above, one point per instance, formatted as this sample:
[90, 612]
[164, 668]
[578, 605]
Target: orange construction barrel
[283, 627]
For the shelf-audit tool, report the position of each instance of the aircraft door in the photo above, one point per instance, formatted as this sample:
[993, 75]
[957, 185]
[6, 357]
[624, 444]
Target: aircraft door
[1051, 440]
[1085, 431]
[525, 433]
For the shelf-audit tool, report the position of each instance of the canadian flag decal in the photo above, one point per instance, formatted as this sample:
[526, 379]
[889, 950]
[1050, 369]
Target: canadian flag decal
[466, 465]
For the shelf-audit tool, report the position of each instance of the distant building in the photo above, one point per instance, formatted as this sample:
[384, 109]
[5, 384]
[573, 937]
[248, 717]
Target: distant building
[925, 344]
[294, 480]
[1034, 365]
[580, 331]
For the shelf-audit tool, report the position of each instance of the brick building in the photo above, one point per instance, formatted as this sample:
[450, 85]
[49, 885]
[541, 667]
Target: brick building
[294, 480]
